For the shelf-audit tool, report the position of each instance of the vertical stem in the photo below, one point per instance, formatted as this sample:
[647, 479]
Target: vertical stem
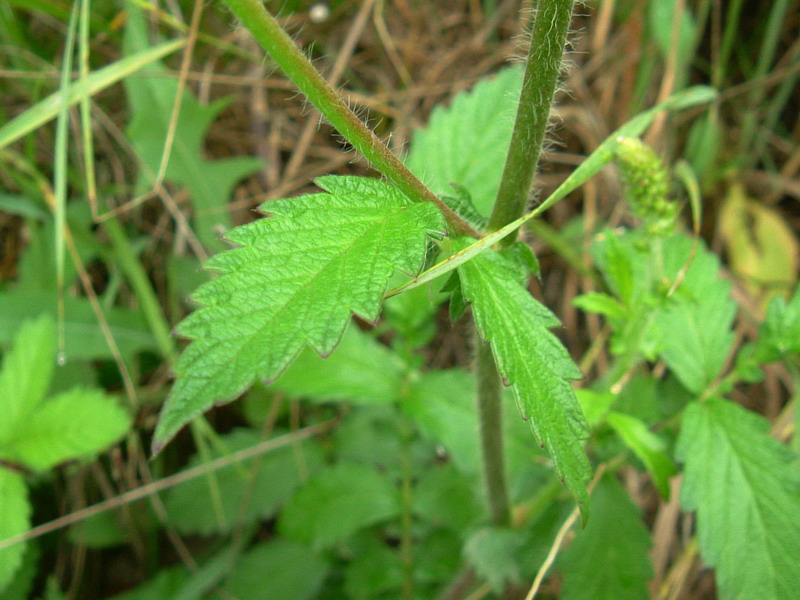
[548, 35]
[490, 414]
[549, 28]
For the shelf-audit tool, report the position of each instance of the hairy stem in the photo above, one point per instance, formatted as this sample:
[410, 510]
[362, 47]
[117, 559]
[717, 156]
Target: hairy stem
[276, 42]
[490, 414]
[548, 35]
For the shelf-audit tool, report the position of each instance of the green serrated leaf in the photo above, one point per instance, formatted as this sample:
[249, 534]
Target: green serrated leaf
[696, 327]
[151, 97]
[294, 281]
[337, 503]
[531, 360]
[745, 487]
[246, 493]
[467, 142]
[647, 446]
[69, 426]
[15, 511]
[26, 374]
[608, 559]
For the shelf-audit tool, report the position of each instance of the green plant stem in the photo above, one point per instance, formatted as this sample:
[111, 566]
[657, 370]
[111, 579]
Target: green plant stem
[490, 415]
[548, 35]
[276, 42]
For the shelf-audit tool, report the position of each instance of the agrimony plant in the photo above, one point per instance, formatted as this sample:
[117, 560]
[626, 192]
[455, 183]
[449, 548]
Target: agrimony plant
[37, 433]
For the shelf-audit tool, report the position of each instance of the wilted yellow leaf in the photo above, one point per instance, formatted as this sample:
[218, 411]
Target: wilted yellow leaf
[761, 248]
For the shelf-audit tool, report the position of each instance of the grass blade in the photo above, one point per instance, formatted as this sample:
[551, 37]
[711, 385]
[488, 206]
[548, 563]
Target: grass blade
[47, 109]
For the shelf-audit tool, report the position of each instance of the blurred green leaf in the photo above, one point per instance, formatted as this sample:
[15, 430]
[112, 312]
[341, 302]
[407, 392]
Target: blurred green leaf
[15, 512]
[71, 425]
[442, 405]
[248, 491]
[447, 498]
[361, 370]
[647, 446]
[608, 559]
[276, 569]
[25, 376]
[166, 583]
[595, 405]
[494, 553]
[84, 337]
[23, 580]
[601, 304]
[745, 487]
[780, 331]
[376, 571]
[372, 435]
[22, 207]
[338, 502]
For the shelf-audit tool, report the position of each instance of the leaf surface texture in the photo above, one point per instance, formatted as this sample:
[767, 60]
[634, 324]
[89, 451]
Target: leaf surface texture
[294, 281]
[745, 487]
[531, 360]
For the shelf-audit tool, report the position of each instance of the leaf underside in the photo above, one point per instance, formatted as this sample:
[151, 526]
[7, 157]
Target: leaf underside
[294, 281]
[531, 360]
[745, 488]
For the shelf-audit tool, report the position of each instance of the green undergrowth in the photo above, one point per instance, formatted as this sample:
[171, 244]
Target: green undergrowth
[333, 341]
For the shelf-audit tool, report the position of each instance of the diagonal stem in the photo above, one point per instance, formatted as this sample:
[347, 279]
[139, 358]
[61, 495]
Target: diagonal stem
[277, 43]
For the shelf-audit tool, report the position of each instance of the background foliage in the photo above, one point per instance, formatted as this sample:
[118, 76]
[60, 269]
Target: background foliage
[359, 475]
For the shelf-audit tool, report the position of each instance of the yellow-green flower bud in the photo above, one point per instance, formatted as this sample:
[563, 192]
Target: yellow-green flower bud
[646, 184]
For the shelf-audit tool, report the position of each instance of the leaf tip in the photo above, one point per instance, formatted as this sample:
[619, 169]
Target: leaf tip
[156, 447]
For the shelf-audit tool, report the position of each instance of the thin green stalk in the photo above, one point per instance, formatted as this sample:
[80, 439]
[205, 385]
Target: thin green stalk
[548, 36]
[127, 260]
[490, 415]
[60, 175]
[277, 43]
